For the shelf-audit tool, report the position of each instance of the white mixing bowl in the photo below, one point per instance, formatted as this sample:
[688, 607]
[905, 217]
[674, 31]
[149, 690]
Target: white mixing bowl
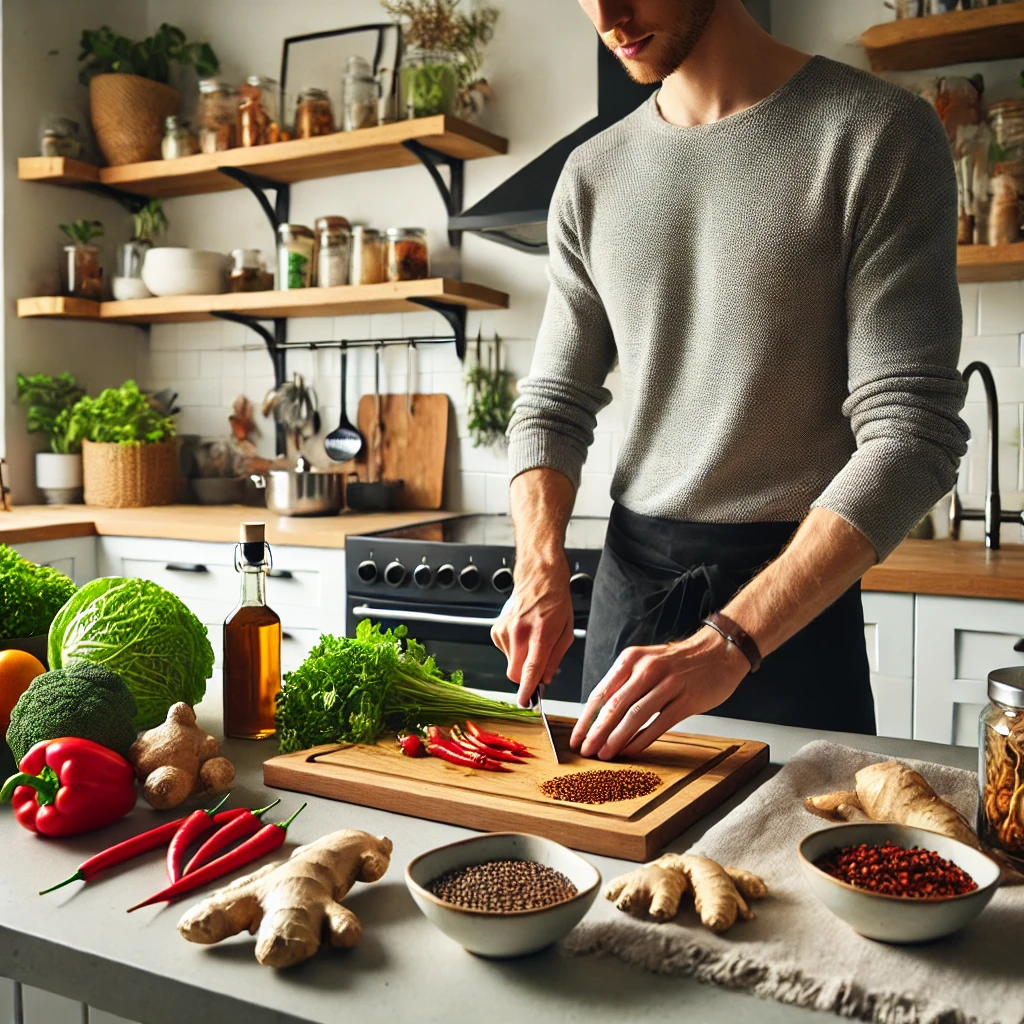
[172, 271]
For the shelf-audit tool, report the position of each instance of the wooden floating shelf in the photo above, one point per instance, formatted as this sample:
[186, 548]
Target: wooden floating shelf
[990, 262]
[366, 149]
[936, 40]
[345, 300]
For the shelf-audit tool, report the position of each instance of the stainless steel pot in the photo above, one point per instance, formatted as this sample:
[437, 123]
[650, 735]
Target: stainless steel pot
[302, 491]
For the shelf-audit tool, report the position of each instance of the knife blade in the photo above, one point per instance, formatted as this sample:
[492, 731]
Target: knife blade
[537, 704]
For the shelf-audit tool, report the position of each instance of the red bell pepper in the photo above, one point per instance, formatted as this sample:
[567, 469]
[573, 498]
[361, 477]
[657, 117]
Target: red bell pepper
[69, 786]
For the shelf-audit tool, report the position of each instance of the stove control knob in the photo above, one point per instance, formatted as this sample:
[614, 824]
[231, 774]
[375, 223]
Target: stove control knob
[367, 571]
[502, 580]
[445, 577]
[469, 577]
[394, 574]
[581, 584]
[422, 575]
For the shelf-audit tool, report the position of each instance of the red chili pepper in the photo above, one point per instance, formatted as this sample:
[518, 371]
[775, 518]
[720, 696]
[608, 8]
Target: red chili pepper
[246, 823]
[411, 745]
[268, 839]
[492, 739]
[435, 733]
[134, 847]
[68, 786]
[197, 824]
[446, 750]
[472, 743]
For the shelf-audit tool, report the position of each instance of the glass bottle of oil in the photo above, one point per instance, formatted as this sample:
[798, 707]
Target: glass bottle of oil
[252, 645]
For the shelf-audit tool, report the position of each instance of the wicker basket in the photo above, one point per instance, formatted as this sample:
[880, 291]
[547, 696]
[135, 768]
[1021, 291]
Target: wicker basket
[130, 475]
[127, 114]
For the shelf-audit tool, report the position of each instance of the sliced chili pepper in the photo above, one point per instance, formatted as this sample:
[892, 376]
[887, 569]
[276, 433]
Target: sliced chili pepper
[197, 824]
[472, 743]
[244, 825]
[269, 838]
[454, 754]
[411, 745]
[492, 739]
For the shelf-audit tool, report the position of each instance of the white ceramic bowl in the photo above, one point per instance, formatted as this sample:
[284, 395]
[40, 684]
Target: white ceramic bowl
[895, 918]
[129, 288]
[493, 934]
[172, 271]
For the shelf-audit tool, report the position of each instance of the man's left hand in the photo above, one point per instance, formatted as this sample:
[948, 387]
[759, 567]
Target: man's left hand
[671, 681]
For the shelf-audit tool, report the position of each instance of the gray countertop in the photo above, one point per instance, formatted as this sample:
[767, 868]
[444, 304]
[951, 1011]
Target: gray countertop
[79, 943]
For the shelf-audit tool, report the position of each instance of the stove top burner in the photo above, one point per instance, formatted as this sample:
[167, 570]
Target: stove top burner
[583, 534]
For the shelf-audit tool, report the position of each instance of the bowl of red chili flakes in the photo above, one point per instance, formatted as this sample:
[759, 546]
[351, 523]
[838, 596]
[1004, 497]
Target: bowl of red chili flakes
[895, 883]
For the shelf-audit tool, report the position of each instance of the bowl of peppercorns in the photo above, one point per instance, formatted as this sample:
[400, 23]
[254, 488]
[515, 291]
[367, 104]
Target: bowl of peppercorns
[504, 894]
[895, 883]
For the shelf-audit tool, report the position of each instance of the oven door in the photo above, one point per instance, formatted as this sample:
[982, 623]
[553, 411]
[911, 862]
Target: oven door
[459, 637]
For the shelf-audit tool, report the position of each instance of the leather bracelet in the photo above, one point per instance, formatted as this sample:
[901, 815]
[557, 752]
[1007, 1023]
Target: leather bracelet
[732, 632]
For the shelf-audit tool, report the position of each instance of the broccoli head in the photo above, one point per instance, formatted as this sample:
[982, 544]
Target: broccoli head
[30, 595]
[84, 700]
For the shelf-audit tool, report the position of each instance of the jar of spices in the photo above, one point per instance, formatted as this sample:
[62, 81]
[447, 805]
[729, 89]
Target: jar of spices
[178, 140]
[359, 94]
[1001, 765]
[294, 256]
[367, 256]
[248, 272]
[258, 116]
[314, 114]
[216, 116]
[333, 251]
[407, 254]
[60, 136]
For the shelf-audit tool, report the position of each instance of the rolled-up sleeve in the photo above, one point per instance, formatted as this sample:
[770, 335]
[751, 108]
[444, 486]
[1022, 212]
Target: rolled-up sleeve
[554, 417]
[904, 329]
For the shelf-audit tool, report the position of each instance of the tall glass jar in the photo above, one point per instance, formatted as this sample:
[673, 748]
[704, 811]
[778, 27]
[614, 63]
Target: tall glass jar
[333, 251]
[294, 256]
[314, 114]
[407, 254]
[1001, 765]
[81, 272]
[359, 94]
[259, 122]
[367, 256]
[428, 81]
[248, 272]
[216, 116]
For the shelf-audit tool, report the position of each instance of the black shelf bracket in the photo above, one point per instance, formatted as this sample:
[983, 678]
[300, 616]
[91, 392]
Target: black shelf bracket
[131, 201]
[257, 184]
[451, 191]
[456, 317]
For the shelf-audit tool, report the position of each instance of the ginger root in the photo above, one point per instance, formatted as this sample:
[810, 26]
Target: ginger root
[720, 894]
[293, 903]
[177, 760]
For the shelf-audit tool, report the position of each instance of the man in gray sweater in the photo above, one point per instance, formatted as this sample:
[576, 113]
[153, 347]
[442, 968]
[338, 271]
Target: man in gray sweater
[768, 250]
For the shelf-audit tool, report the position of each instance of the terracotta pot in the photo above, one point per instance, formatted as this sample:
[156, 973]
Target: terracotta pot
[128, 114]
[130, 475]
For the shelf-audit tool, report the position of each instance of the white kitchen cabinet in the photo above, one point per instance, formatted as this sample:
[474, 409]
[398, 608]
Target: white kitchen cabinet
[73, 556]
[957, 642]
[889, 634]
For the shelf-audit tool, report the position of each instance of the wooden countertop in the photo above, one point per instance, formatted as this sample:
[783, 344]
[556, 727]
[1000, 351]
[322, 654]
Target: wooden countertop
[218, 523]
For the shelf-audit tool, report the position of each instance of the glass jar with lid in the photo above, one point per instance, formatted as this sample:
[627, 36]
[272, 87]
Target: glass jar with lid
[60, 136]
[178, 140]
[314, 114]
[294, 256]
[367, 256]
[216, 116]
[429, 83]
[333, 251]
[359, 94]
[407, 254]
[248, 272]
[1001, 765]
[259, 122]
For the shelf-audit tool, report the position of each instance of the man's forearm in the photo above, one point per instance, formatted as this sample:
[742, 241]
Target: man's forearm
[541, 503]
[823, 560]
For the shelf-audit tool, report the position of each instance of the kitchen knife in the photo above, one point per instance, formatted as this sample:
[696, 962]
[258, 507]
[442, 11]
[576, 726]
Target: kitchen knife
[537, 704]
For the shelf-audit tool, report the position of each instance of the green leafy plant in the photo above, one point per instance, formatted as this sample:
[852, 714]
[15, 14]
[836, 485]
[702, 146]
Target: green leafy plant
[30, 595]
[123, 415]
[105, 52]
[351, 689]
[50, 400]
[143, 633]
[490, 398]
[148, 222]
[82, 232]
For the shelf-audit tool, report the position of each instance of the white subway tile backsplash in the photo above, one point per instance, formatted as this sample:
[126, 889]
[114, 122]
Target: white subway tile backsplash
[969, 306]
[233, 363]
[1001, 308]
[211, 364]
[496, 493]
[996, 350]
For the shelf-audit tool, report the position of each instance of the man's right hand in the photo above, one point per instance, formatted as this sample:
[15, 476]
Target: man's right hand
[535, 627]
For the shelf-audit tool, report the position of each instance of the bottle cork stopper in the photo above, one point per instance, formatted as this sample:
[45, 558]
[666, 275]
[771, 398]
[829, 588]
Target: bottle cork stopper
[252, 533]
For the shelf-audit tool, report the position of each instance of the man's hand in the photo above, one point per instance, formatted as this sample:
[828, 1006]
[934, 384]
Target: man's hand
[535, 627]
[672, 681]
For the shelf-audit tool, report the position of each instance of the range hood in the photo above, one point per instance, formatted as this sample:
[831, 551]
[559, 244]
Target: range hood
[516, 212]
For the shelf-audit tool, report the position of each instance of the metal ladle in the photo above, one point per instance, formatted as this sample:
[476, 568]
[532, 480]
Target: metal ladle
[345, 442]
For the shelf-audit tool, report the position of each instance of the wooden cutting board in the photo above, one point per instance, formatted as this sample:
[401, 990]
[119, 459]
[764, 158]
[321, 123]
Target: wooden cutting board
[698, 773]
[413, 446]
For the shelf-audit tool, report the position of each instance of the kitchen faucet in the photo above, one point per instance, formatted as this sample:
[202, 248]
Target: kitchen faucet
[992, 514]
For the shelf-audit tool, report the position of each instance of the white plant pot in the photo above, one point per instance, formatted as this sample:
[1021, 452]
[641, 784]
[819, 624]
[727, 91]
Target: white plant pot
[59, 477]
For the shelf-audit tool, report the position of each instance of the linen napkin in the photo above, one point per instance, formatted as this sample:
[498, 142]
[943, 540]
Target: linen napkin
[796, 951]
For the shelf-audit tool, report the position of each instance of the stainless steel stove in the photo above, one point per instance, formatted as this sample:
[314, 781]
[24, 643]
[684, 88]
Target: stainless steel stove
[447, 581]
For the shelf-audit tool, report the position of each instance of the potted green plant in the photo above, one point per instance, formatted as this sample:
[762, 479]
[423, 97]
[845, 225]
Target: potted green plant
[81, 271]
[129, 94]
[147, 224]
[49, 400]
[129, 448]
[443, 54]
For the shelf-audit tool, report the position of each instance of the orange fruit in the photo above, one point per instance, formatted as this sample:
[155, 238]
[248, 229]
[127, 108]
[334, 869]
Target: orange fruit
[17, 670]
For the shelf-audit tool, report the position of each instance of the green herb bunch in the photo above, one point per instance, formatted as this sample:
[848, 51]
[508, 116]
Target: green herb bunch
[352, 689]
[105, 52]
[491, 397]
[123, 415]
[50, 400]
[82, 232]
[30, 595]
[148, 222]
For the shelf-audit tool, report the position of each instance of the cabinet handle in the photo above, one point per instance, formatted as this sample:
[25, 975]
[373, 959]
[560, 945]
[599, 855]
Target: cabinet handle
[1019, 646]
[186, 567]
[281, 574]
[287, 636]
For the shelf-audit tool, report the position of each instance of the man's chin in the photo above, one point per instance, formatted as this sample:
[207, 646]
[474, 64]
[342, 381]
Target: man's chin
[642, 72]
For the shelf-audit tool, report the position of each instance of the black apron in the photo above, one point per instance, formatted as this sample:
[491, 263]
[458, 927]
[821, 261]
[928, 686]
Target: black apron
[659, 577]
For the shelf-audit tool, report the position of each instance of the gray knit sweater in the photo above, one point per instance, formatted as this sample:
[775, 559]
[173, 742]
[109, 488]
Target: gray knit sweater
[779, 289]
